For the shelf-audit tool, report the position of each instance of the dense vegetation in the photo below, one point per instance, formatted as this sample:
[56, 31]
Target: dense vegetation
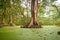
[18, 12]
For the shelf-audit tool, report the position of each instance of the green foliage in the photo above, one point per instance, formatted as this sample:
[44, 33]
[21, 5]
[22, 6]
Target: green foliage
[41, 10]
[4, 4]
[17, 11]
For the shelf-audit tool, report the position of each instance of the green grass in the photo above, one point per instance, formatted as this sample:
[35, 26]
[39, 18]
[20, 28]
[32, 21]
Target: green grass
[16, 33]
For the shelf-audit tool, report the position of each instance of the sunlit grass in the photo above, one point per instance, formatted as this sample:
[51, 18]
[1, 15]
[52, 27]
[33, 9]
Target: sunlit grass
[16, 33]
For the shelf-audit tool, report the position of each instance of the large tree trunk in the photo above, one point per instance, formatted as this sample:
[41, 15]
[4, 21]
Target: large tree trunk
[34, 12]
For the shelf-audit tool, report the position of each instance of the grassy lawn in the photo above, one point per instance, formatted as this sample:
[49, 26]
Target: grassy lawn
[16, 33]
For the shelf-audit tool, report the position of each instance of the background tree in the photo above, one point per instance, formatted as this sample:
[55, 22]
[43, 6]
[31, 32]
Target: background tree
[4, 4]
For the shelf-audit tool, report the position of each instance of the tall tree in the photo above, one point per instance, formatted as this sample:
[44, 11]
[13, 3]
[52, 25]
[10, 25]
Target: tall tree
[14, 3]
[34, 12]
[10, 19]
[10, 23]
[4, 4]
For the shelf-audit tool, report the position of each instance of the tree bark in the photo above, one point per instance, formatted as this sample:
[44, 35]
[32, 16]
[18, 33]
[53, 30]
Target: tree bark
[3, 19]
[3, 23]
[22, 13]
[10, 21]
[34, 12]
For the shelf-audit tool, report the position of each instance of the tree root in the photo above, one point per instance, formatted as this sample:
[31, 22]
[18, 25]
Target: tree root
[32, 26]
[11, 24]
[3, 24]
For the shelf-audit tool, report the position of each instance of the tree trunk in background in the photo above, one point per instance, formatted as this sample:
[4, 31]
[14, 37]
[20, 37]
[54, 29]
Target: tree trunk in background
[27, 9]
[34, 12]
[10, 21]
[3, 23]
[3, 19]
[22, 13]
